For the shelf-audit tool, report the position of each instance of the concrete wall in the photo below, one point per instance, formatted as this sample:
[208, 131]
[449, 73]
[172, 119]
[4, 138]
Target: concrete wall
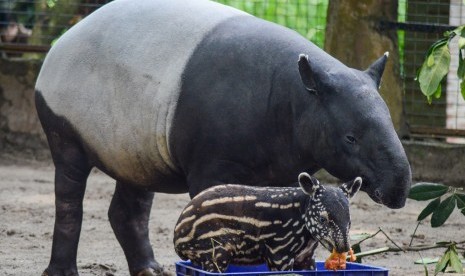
[430, 162]
[20, 129]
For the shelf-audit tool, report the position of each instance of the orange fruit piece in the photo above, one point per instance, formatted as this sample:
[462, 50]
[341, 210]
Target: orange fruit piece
[353, 258]
[337, 261]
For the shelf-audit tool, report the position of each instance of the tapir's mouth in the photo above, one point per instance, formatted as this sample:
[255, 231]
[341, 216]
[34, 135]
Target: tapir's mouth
[327, 244]
[374, 194]
[379, 198]
[376, 197]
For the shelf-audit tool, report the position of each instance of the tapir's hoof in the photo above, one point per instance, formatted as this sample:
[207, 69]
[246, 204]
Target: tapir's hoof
[147, 272]
[60, 272]
[153, 272]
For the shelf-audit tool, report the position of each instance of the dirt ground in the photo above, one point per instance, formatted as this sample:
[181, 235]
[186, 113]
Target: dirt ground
[27, 216]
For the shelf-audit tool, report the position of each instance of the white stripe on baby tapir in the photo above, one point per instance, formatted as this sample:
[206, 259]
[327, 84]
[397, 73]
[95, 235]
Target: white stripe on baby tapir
[123, 79]
[287, 223]
[255, 222]
[260, 238]
[263, 204]
[287, 206]
[298, 232]
[184, 221]
[283, 238]
[276, 249]
[220, 232]
[187, 209]
[282, 260]
[223, 200]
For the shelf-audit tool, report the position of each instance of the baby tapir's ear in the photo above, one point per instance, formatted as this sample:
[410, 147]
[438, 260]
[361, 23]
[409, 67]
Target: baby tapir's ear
[352, 187]
[309, 184]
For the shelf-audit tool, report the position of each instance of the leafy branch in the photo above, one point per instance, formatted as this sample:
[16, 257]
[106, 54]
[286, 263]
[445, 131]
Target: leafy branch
[450, 258]
[440, 211]
[437, 63]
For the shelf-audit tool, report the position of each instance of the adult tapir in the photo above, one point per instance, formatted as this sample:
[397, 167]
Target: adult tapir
[175, 96]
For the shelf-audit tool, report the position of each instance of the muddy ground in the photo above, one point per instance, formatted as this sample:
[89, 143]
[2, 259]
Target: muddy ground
[27, 216]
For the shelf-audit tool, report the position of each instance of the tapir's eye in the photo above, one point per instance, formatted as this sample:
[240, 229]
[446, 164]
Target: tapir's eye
[350, 139]
[322, 219]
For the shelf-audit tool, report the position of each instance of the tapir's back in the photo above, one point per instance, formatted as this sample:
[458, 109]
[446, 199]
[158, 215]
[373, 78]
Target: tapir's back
[115, 77]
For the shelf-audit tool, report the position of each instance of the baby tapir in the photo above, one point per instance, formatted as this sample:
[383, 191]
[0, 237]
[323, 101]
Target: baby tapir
[250, 225]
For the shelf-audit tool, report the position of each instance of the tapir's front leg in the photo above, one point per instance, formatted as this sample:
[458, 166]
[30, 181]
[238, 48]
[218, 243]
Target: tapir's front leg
[129, 217]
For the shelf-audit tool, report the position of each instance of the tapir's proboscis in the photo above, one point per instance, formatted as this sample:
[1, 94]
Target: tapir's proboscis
[177, 96]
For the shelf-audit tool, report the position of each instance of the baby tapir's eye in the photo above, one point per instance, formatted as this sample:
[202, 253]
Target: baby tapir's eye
[323, 219]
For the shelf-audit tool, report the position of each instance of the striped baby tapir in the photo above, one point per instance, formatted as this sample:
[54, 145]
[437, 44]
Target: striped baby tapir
[279, 226]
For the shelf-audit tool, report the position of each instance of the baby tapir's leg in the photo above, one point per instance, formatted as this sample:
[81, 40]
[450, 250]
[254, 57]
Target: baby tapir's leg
[277, 259]
[304, 260]
[129, 216]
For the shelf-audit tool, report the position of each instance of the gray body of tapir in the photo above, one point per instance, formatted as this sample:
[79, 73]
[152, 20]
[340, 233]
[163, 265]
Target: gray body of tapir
[245, 225]
[177, 96]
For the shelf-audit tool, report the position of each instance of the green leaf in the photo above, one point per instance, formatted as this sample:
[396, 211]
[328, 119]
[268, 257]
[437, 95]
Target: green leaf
[437, 94]
[455, 262]
[462, 88]
[426, 191]
[443, 211]
[430, 61]
[461, 69]
[429, 209]
[432, 72]
[461, 42]
[441, 42]
[459, 30]
[442, 264]
[427, 261]
[460, 200]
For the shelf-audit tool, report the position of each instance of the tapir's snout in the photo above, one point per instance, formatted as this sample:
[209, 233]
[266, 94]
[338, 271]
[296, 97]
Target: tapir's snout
[395, 195]
[391, 187]
[342, 247]
[338, 243]
[394, 199]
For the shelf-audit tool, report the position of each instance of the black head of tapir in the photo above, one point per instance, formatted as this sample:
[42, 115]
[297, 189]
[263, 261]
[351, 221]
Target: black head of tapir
[356, 136]
[327, 215]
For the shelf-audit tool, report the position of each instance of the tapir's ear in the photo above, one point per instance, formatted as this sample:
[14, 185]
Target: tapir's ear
[309, 184]
[352, 187]
[375, 71]
[306, 74]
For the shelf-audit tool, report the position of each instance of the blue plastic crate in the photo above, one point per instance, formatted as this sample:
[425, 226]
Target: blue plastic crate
[185, 268]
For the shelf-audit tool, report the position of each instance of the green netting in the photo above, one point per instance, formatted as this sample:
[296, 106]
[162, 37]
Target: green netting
[308, 17]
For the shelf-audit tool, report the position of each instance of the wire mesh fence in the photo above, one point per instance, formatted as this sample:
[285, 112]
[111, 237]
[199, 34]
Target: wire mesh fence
[32, 25]
[428, 20]
[308, 17]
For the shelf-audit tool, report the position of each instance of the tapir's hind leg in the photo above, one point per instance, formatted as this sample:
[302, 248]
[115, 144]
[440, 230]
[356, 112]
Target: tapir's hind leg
[71, 171]
[129, 216]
